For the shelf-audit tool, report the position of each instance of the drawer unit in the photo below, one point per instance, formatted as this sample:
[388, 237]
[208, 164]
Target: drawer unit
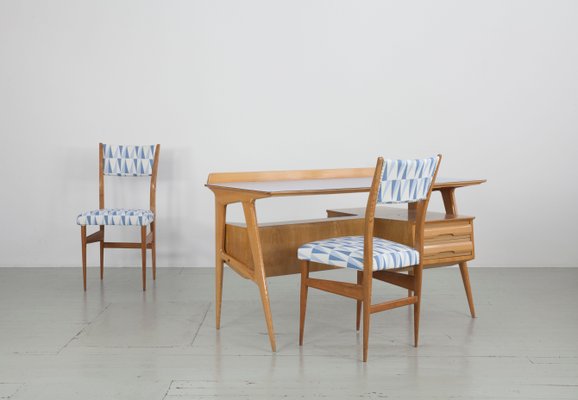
[448, 241]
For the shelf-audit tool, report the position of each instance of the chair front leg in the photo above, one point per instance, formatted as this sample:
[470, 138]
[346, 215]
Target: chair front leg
[83, 242]
[303, 298]
[143, 238]
[417, 273]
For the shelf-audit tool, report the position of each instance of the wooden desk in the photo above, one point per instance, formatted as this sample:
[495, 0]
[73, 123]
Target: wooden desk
[259, 251]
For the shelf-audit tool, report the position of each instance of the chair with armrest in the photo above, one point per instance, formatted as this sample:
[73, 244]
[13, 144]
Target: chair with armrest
[123, 161]
[394, 181]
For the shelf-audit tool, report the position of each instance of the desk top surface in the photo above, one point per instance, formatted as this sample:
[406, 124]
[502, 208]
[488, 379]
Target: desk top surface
[324, 186]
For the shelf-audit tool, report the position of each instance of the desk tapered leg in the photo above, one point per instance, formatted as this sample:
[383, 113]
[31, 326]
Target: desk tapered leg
[466, 279]
[220, 218]
[259, 273]
[449, 198]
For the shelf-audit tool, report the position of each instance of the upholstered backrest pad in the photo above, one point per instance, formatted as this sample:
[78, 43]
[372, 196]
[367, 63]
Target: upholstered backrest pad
[122, 160]
[405, 181]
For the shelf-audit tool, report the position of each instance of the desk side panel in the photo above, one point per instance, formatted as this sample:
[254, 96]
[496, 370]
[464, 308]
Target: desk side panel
[280, 242]
[399, 230]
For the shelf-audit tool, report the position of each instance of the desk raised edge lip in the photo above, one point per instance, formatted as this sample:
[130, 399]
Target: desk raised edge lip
[444, 184]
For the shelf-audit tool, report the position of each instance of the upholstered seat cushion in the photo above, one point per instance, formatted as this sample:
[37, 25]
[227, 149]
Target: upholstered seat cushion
[347, 252]
[116, 216]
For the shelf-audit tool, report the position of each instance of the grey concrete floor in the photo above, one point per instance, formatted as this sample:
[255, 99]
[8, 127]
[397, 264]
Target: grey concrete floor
[116, 342]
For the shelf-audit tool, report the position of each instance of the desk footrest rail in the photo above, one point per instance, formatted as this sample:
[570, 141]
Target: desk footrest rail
[237, 266]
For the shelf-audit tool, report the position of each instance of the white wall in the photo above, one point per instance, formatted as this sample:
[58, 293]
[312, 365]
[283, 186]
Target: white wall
[249, 85]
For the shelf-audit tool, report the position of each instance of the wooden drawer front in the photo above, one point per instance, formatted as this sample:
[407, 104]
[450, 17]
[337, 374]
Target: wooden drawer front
[447, 231]
[448, 241]
[448, 249]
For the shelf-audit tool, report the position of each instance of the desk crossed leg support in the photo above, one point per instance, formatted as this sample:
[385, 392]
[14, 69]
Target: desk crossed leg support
[449, 199]
[257, 275]
[220, 220]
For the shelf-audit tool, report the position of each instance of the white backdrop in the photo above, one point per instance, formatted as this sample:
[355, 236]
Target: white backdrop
[264, 85]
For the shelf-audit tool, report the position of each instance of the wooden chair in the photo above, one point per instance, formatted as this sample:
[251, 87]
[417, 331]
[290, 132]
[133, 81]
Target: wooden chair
[123, 161]
[394, 181]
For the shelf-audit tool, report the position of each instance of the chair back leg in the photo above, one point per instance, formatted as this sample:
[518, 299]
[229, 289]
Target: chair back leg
[359, 303]
[143, 238]
[409, 291]
[102, 253]
[367, 281]
[154, 250]
[303, 298]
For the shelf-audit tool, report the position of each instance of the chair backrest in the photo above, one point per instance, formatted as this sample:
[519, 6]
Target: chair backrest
[129, 160]
[406, 181]
[400, 181]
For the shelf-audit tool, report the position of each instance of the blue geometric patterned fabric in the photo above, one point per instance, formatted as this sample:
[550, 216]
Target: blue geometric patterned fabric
[124, 160]
[404, 181]
[116, 216]
[347, 252]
